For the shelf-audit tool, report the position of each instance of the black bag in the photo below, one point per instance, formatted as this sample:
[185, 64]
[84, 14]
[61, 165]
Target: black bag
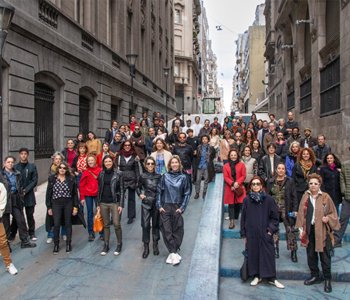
[218, 168]
[244, 269]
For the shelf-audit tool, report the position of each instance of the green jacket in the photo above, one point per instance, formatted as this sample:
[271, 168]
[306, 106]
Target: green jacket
[345, 179]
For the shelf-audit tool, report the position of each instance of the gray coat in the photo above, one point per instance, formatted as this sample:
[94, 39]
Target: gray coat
[210, 155]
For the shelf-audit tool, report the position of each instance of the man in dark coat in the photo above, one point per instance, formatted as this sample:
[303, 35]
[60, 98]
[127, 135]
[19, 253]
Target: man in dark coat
[177, 117]
[265, 171]
[282, 147]
[110, 133]
[289, 125]
[204, 166]
[29, 181]
[320, 150]
[308, 141]
[149, 140]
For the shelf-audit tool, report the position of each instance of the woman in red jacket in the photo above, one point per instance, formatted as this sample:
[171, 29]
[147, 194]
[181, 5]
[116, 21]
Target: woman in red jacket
[88, 187]
[234, 176]
[106, 150]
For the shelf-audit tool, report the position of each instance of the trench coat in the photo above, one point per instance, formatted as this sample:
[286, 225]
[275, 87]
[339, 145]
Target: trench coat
[230, 196]
[209, 155]
[257, 220]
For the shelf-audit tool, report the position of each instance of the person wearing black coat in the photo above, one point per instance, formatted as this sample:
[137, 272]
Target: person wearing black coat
[265, 171]
[147, 191]
[29, 175]
[330, 173]
[79, 139]
[282, 147]
[321, 149]
[110, 200]
[117, 142]
[128, 162]
[282, 189]
[308, 141]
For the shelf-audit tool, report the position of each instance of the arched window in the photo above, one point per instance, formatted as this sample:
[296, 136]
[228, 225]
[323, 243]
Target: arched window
[332, 19]
[307, 40]
[44, 102]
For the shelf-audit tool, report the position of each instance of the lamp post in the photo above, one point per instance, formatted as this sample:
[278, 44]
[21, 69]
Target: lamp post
[183, 100]
[132, 61]
[166, 75]
[6, 15]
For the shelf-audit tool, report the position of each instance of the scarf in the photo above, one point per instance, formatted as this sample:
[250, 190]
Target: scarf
[233, 169]
[259, 198]
[136, 135]
[279, 185]
[54, 168]
[127, 153]
[306, 166]
[332, 166]
[304, 236]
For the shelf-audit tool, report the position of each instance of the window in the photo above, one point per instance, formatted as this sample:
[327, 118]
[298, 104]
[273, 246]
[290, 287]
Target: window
[272, 101]
[84, 112]
[114, 112]
[177, 16]
[43, 114]
[78, 11]
[305, 96]
[307, 40]
[128, 34]
[332, 19]
[176, 71]
[290, 99]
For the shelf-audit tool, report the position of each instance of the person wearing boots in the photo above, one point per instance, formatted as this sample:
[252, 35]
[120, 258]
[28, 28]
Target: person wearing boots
[317, 214]
[282, 189]
[147, 191]
[234, 176]
[110, 200]
[12, 179]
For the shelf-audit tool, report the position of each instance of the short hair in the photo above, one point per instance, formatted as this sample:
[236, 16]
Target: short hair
[321, 135]
[156, 120]
[280, 120]
[264, 121]
[178, 159]
[206, 121]
[271, 115]
[314, 176]
[114, 121]
[295, 128]
[118, 133]
[182, 133]
[237, 133]
[260, 180]
[132, 116]
[216, 118]
[312, 155]
[197, 117]
[205, 135]
[105, 143]
[95, 136]
[10, 156]
[152, 159]
[150, 128]
[271, 145]
[234, 150]
[189, 130]
[228, 131]
[57, 153]
[81, 145]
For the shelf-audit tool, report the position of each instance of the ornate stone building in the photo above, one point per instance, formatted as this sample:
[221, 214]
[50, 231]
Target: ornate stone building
[65, 70]
[307, 47]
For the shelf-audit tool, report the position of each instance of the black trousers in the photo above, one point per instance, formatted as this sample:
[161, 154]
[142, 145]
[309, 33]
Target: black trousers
[62, 207]
[131, 204]
[233, 210]
[172, 227]
[30, 221]
[312, 258]
[146, 215]
[299, 197]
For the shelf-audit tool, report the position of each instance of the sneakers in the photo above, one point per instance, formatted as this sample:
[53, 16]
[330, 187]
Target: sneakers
[176, 259]
[64, 237]
[178, 256]
[91, 237]
[255, 281]
[105, 250]
[12, 269]
[276, 284]
[49, 240]
[119, 249]
[227, 218]
[56, 248]
[33, 237]
[169, 260]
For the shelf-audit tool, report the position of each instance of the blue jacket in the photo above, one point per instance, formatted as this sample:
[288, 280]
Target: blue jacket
[173, 188]
[149, 144]
[289, 165]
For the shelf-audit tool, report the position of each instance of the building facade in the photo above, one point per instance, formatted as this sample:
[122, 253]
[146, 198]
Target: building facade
[307, 47]
[187, 53]
[65, 70]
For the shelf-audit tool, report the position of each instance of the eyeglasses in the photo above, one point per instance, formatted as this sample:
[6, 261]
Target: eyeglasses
[137, 128]
[256, 184]
[62, 168]
[182, 138]
[150, 164]
[314, 183]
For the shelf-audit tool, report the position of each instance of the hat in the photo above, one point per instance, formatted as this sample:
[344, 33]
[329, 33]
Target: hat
[161, 120]
[155, 119]
[307, 129]
[24, 149]
[188, 119]
[178, 114]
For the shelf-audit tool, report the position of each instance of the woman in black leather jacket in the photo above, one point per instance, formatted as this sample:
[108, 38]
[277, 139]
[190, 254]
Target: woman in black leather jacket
[148, 182]
[110, 199]
[128, 162]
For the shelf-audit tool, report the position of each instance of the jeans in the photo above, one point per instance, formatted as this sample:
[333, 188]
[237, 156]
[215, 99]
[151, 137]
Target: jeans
[234, 210]
[344, 221]
[62, 207]
[63, 232]
[89, 201]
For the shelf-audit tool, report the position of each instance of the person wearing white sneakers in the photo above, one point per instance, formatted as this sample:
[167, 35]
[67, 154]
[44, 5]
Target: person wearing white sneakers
[259, 221]
[4, 245]
[173, 195]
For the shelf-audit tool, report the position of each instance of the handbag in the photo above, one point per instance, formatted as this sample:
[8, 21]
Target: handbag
[98, 223]
[238, 191]
[244, 269]
[329, 234]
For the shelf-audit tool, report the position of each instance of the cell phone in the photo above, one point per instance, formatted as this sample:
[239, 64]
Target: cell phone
[189, 171]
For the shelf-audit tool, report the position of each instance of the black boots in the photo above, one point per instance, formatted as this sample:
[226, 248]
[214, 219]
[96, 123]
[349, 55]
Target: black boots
[56, 248]
[327, 286]
[277, 252]
[155, 248]
[312, 280]
[26, 244]
[145, 250]
[196, 196]
[68, 249]
[294, 256]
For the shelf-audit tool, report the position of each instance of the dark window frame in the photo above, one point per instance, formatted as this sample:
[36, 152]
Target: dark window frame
[305, 95]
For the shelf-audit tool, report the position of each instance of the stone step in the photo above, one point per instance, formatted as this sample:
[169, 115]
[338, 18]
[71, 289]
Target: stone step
[232, 260]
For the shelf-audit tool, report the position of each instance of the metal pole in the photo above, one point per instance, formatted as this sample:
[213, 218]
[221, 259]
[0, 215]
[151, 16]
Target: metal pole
[1, 140]
[132, 94]
[183, 100]
[166, 103]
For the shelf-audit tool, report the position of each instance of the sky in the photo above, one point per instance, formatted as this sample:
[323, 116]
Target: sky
[235, 16]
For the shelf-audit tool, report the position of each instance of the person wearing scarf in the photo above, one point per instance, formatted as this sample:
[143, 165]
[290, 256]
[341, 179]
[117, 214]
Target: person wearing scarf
[138, 140]
[306, 165]
[259, 222]
[282, 189]
[291, 158]
[317, 215]
[234, 176]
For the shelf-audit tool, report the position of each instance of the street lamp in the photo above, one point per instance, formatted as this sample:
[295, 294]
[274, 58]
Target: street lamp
[132, 61]
[6, 14]
[166, 75]
[183, 99]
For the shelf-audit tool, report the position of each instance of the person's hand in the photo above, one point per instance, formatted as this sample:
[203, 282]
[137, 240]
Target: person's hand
[142, 197]
[269, 233]
[300, 236]
[82, 202]
[133, 143]
[75, 211]
[245, 240]
[161, 210]
[49, 212]
[24, 192]
[339, 170]
[296, 214]
[318, 169]
[195, 152]
[325, 219]
[76, 173]
[98, 208]
[120, 209]
[179, 210]
[236, 185]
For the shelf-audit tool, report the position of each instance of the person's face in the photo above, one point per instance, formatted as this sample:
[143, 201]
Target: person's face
[8, 164]
[137, 129]
[105, 148]
[161, 123]
[233, 156]
[255, 145]
[234, 122]
[251, 126]
[214, 132]
[151, 132]
[127, 146]
[91, 162]
[249, 135]
[80, 137]
[176, 129]
[265, 125]
[145, 115]
[118, 137]
[256, 186]
[175, 165]
[246, 152]
[321, 141]
[330, 160]
[240, 118]
[227, 135]
[272, 117]
[295, 148]
[156, 123]
[272, 127]
[295, 132]
[177, 123]
[307, 133]
[206, 123]
[238, 136]
[24, 155]
[57, 160]
[188, 123]
[115, 125]
[280, 136]
[132, 119]
[82, 150]
[122, 129]
[290, 116]
[127, 128]
[108, 163]
[197, 120]
[271, 150]
[281, 123]
[158, 115]
[70, 145]
[232, 114]
[159, 145]
[190, 134]
[62, 169]
[182, 138]
[150, 165]
[178, 117]
[90, 136]
[306, 155]
[260, 123]
[160, 132]
[205, 140]
[314, 185]
[281, 170]
[215, 120]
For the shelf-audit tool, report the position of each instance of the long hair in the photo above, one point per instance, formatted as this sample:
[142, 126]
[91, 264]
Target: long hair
[95, 136]
[122, 147]
[178, 159]
[109, 148]
[165, 146]
[152, 159]
[312, 155]
[243, 150]
[245, 138]
[211, 131]
[173, 132]
[256, 178]
[336, 160]
[291, 147]
[103, 162]
[224, 129]
[68, 169]
[259, 148]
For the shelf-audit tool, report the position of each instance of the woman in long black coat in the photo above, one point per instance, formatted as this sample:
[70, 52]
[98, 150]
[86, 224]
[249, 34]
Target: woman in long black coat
[330, 173]
[259, 221]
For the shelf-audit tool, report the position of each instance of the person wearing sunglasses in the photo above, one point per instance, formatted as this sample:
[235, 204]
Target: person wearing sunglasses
[127, 161]
[62, 201]
[259, 222]
[147, 191]
[317, 215]
[138, 140]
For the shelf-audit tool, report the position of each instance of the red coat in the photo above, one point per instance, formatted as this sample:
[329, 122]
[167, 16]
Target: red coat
[230, 196]
[88, 185]
[99, 158]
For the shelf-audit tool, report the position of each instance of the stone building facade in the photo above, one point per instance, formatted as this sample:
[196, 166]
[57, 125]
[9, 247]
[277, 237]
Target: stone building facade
[308, 50]
[65, 70]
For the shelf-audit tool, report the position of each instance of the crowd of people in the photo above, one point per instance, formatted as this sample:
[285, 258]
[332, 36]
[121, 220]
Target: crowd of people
[272, 174]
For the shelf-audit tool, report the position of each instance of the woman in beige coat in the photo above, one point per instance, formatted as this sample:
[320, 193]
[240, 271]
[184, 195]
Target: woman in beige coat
[317, 213]
[162, 155]
[225, 146]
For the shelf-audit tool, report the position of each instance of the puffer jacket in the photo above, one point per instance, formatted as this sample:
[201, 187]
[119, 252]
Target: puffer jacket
[320, 153]
[148, 182]
[117, 187]
[345, 180]
[130, 169]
